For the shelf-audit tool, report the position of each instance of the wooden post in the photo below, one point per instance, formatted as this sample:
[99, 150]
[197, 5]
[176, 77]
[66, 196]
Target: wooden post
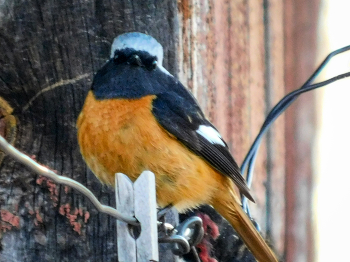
[139, 200]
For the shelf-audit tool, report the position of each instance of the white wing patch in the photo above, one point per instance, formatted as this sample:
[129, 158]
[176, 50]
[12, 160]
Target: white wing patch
[164, 70]
[210, 134]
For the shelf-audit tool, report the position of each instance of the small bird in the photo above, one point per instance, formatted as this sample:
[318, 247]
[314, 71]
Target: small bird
[137, 117]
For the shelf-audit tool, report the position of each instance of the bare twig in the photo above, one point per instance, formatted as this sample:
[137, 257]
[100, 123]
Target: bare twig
[41, 170]
[51, 87]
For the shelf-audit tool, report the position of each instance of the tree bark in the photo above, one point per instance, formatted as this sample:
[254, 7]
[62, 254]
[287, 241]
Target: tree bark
[50, 51]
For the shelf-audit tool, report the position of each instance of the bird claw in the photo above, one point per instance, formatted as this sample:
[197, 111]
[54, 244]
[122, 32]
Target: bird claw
[188, 234]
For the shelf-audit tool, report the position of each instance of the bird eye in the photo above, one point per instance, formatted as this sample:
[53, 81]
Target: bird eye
[119, 57]
[154, 64]
[116, 54]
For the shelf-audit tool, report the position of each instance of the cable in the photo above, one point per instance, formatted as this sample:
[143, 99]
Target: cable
[41, 170]
[277, 110]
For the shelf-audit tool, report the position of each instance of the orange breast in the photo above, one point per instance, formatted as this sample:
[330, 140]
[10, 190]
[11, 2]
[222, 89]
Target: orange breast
[122, 135]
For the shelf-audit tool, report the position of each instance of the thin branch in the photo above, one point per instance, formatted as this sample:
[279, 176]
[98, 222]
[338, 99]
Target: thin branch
[51, 87]
[41, 170]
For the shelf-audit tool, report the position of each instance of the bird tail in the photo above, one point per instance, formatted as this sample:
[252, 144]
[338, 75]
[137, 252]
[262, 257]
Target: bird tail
[227, 204]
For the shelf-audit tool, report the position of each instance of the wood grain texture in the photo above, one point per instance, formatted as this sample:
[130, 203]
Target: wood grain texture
[300, 38]
[54, 48]
[256, 105]
[275, 90]
[236, 58]
[223, 62]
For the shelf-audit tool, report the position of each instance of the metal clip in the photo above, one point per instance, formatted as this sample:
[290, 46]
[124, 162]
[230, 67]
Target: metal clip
[188, 234]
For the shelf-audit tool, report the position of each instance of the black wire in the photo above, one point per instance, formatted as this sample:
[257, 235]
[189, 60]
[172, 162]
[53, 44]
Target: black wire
[277, 110]
[195, 254]
[284, 104]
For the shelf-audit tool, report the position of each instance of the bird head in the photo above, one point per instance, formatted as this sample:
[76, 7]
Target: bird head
[134, 69]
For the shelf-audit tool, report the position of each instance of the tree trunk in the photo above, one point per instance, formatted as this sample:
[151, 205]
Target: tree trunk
[50, 51]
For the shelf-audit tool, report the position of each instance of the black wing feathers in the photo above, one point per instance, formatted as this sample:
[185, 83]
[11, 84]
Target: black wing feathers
[178, 113]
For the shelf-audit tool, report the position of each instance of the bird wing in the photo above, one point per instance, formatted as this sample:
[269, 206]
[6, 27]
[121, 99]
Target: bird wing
[179, 114]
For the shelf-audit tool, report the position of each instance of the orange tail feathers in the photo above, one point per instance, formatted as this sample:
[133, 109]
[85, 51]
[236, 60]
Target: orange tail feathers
[227, 204]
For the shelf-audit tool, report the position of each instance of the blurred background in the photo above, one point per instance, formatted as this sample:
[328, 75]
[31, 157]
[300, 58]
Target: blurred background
[332, 176]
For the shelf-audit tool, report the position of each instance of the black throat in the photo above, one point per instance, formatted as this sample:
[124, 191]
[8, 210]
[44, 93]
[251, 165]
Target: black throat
[130, 75]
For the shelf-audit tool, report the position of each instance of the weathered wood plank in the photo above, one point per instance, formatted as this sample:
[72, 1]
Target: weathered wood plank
[124, 198]
[146, 213]
[256, 106]
[300, 53]
[276, 161]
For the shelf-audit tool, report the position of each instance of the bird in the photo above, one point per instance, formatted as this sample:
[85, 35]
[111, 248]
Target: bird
[137, 116]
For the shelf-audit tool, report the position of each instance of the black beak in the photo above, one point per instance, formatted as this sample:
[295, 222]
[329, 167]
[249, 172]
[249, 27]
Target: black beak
[135, 60]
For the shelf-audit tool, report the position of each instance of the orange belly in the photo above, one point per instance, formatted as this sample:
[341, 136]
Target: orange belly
[122, 135]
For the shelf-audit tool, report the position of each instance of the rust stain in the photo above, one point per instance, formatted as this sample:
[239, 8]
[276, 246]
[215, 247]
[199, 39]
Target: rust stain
[8, 220]
[38, 219]
[66, 189]
[52, 187]
[185, 7]
[86, 217]
[63, 209]
[209, 226]
[211, 231]
[76, 227]
[75, 217]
